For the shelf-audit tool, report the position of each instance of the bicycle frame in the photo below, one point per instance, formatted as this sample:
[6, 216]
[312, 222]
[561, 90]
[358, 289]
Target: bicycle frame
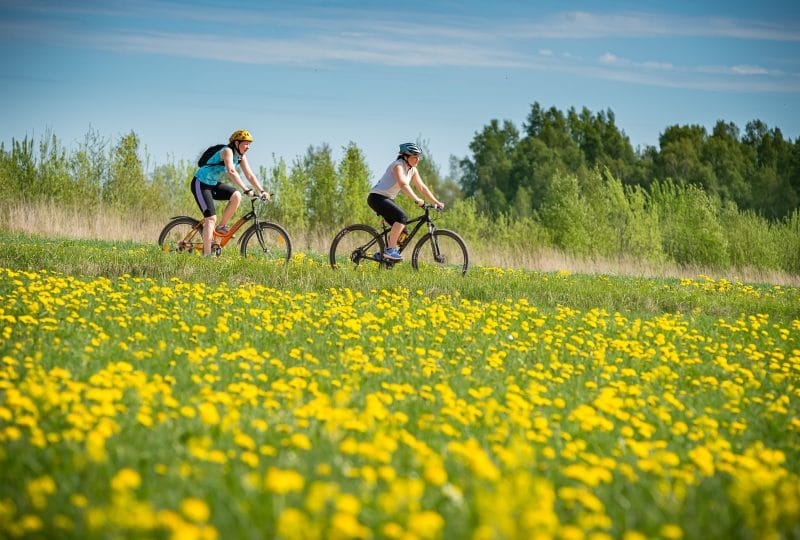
[219, 241]
[362, 242]
[223, 239]
[423, 219]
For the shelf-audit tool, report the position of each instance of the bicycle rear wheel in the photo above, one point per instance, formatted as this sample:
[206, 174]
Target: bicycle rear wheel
[183, 234]
[266, 241]
[445, 252]
[356, 244]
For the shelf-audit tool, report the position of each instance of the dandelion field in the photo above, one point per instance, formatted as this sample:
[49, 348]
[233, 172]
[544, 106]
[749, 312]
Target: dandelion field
[143, 396]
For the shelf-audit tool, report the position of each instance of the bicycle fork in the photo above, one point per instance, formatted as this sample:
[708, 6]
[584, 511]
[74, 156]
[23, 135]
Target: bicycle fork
[437, 254]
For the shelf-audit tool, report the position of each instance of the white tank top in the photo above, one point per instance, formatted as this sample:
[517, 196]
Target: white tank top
[388, 186]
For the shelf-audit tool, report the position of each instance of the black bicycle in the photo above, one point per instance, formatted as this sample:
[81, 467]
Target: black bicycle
[263, 239]
[437, 249]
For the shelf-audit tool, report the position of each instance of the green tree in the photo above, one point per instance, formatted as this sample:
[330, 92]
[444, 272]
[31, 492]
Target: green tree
[126, 188]
[487, 175]
[522, 205]
[18, 171]
[566, 215]
[354, 180]
[290, 194]
[89, 166]
[774, 194]
[323, 188]
[691, 230]
[680, 158]
[170, 182]
[725, 154]
[552, 128]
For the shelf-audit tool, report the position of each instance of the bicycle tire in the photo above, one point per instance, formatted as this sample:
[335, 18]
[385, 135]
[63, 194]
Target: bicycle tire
[276, 245]
[177, 236]
[354, 244]
[453, 253]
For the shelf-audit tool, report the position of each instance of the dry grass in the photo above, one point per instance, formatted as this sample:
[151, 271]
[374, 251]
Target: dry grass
[47, 219]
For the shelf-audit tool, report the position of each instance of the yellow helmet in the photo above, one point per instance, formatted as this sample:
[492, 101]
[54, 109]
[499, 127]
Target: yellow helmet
[240, 135]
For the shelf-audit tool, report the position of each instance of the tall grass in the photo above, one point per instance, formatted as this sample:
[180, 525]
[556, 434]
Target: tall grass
[58, 222]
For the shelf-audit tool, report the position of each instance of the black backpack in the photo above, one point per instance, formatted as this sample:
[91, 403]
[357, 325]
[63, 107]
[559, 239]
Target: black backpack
[210, 151]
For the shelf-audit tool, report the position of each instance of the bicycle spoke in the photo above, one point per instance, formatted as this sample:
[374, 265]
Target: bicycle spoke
[267, 241]
[445, 252]
[355, 247]
[181, 235]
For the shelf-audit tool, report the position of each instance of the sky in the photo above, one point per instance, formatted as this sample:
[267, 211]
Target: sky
[183, 75]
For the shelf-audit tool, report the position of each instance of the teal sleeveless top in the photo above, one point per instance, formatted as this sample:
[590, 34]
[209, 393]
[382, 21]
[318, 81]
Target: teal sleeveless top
[212, 175]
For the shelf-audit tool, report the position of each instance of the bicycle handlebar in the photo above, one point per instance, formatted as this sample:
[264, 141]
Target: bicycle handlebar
[428, 206]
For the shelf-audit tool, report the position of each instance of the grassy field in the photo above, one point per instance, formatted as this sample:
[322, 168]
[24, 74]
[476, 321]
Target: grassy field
[148, 395]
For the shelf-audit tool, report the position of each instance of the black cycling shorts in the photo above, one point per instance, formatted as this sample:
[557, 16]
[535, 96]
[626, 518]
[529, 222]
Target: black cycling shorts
[205, 195]
[385, 207]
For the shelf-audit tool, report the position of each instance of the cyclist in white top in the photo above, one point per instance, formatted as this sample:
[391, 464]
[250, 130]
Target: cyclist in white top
[399, 176]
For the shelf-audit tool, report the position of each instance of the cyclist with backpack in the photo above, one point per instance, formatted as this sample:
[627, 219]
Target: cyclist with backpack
[399, 176]
[220, 162]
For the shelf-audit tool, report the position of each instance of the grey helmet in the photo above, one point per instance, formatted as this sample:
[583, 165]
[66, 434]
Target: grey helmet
[410, 149]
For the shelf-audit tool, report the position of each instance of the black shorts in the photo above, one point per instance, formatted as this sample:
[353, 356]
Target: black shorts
[205, 195]
[385, 207]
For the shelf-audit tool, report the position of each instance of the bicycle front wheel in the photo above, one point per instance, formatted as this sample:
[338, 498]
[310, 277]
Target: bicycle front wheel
[266, 241]
[355, 244]
[183, 234]
[445, 251]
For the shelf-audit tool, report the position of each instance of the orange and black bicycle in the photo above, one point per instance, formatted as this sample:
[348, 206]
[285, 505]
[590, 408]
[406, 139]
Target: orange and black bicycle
[263, 239]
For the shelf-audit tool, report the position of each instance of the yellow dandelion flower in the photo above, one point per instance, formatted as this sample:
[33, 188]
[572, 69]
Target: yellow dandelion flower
[671, 532]
[282, 481]
[291, 523]
[126, 479]
[195, 510]
[348, 503]
[208, 413]
[426, 524]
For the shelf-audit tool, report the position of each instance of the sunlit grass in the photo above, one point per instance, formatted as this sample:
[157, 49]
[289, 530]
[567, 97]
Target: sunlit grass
[143, 394]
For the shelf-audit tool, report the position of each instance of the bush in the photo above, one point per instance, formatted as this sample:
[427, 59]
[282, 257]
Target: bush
[751, 240]
[690, 230]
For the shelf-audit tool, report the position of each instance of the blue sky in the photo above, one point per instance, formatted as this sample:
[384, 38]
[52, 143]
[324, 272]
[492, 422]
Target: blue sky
[183, 75]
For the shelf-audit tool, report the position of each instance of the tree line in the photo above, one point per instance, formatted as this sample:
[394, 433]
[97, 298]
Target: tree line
[570, 181]
[511, 170]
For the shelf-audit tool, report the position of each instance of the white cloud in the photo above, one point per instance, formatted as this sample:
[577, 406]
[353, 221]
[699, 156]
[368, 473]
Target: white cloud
[585, 25]
[749, 70]
[608, 59]
[372, 37]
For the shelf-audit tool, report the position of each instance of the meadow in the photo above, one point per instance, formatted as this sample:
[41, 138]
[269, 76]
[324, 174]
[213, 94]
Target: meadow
[148, 395]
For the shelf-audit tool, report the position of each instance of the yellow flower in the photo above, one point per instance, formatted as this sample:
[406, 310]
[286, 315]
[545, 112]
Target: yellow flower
[126, 479]
[703, 459]
[291, 524]
[435, 474]
[283, 481]
[671, 532]
[195, 510]
[426, 524]
[208, 413]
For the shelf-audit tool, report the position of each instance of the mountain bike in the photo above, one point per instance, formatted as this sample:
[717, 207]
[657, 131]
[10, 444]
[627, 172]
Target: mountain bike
[184, 234]
[439, 249]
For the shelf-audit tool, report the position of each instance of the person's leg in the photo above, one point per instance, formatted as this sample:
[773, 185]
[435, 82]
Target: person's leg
[391, 212]
[205, 201]
[208, 233]
[394, 234]
[223, 192]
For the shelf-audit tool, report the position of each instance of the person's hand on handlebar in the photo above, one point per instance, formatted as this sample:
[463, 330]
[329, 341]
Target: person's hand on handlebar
[265, 196]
